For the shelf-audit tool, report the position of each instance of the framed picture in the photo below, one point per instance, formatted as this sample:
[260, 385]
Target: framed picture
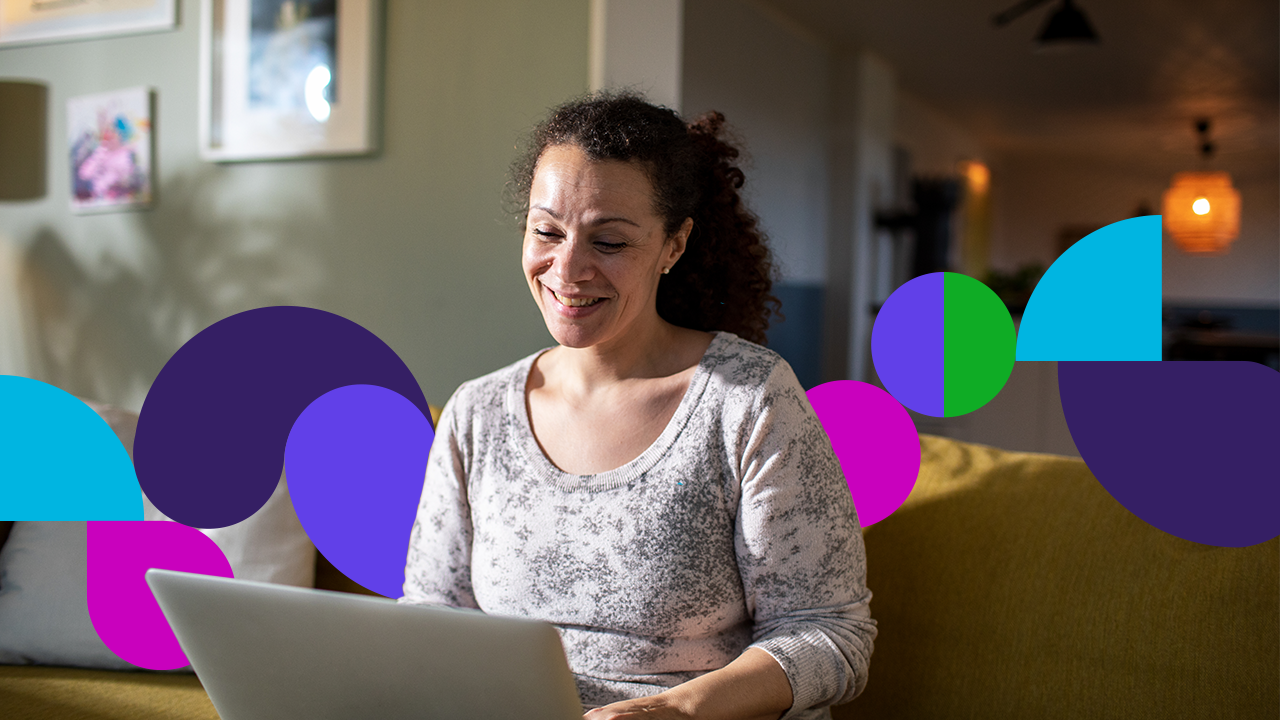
[287, 78]
[109, 145]
[37, 21]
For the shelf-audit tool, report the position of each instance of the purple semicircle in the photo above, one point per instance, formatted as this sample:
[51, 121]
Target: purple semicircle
[907, 344]
[1190, 447]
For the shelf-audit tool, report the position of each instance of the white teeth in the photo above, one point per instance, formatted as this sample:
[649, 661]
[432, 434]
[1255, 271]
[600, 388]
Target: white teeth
[575, 302]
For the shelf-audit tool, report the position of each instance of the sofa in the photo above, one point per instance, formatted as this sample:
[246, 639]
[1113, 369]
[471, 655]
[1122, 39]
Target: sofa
[32, 692]
[1012, 585]
[1008, 585]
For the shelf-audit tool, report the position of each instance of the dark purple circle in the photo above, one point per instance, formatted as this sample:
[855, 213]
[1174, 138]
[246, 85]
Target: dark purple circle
[211, 435]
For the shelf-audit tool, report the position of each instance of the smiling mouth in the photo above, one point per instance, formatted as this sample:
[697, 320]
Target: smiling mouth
[574, 302]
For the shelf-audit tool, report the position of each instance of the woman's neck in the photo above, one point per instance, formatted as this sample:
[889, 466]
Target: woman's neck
[659, 349]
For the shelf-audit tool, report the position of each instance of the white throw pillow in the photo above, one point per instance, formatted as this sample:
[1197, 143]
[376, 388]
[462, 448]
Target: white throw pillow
[43, 616]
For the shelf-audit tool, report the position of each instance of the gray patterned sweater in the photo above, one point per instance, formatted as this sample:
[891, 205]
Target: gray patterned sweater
[735, 529]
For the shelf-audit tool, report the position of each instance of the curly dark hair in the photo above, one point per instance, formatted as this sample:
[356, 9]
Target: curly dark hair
[723, 280]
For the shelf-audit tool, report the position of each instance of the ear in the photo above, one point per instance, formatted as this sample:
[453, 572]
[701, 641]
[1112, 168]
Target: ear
[677, 243]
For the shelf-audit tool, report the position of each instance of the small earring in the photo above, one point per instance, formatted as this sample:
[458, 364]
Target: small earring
[666, 271]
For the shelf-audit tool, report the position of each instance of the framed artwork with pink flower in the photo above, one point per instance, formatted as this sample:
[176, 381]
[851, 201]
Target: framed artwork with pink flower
[109, 141]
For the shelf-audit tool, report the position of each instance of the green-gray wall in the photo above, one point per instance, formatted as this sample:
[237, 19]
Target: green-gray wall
[411, 243]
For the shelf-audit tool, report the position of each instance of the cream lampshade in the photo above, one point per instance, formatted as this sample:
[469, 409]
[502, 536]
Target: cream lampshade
[23, 114]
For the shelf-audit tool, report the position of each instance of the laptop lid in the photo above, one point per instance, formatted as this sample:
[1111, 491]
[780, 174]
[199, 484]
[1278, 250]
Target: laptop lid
[272, 651]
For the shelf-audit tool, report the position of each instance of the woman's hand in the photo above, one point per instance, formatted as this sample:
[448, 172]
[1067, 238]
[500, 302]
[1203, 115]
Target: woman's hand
[654, 707]
[753, 687]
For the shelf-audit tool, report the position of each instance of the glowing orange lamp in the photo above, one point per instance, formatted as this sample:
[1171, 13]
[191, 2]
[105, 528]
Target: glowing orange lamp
[1201, 209]
[1202, 212]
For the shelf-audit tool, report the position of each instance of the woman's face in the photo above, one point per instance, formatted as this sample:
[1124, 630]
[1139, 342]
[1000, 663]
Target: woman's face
[594, 247]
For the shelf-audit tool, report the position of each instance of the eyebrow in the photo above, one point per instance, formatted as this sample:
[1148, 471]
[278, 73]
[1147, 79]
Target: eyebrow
[598, 221]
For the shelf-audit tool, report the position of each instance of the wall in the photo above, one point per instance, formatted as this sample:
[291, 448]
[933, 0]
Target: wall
[865, 122]
[1037, 194]
[412, 243]
[778, 103]
[819, 127]
[636, 44]
[1026, 414]
[935, 142]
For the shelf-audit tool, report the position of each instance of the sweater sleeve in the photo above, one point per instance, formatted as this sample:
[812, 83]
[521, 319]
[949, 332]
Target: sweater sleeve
[438, 569]
[800, 550]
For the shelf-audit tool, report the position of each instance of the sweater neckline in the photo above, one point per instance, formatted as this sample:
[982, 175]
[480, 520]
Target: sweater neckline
[546, 471]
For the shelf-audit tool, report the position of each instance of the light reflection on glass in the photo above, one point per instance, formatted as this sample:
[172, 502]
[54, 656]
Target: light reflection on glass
[317, 81]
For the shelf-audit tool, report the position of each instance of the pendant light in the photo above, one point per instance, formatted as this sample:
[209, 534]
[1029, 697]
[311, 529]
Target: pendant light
[1201, 209]
[1065, 28]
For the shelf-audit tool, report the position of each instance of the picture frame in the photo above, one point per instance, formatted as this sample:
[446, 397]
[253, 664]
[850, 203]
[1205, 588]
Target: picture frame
[110, 147]
[283, 79]
[29, 22]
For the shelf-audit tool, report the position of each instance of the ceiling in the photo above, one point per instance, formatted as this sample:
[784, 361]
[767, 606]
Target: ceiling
[1160, 65]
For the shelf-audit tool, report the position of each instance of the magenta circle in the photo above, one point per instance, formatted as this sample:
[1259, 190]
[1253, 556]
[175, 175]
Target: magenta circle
[875, 441]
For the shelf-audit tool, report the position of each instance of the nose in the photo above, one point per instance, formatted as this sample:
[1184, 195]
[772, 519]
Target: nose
[572, 261]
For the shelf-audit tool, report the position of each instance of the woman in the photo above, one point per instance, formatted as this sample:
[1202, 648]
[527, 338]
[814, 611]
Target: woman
[655, 485]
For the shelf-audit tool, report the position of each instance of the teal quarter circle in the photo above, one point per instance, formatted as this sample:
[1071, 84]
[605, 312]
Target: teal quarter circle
[1100, 300]
[59, 460]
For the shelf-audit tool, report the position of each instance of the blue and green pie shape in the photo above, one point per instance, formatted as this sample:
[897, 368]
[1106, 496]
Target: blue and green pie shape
[943, 344]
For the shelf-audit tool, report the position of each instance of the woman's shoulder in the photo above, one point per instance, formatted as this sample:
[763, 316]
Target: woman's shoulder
[489, 390]
[741, 362]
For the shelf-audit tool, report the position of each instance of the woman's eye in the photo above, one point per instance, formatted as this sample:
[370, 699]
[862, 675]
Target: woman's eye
[610, 246]
[544, 233]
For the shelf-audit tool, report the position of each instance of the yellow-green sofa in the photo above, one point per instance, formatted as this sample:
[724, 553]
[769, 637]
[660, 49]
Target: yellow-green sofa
[54, 693]
[1009, 585]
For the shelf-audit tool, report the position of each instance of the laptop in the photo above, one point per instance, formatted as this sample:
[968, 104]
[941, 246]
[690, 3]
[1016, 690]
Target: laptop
[273, 651]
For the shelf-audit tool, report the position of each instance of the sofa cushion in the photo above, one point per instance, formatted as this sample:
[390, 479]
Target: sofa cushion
[1014, 585]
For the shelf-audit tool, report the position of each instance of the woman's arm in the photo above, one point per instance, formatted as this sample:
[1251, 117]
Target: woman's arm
[438, 567]
[799, 550]
[802, 562]
[753, 687]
